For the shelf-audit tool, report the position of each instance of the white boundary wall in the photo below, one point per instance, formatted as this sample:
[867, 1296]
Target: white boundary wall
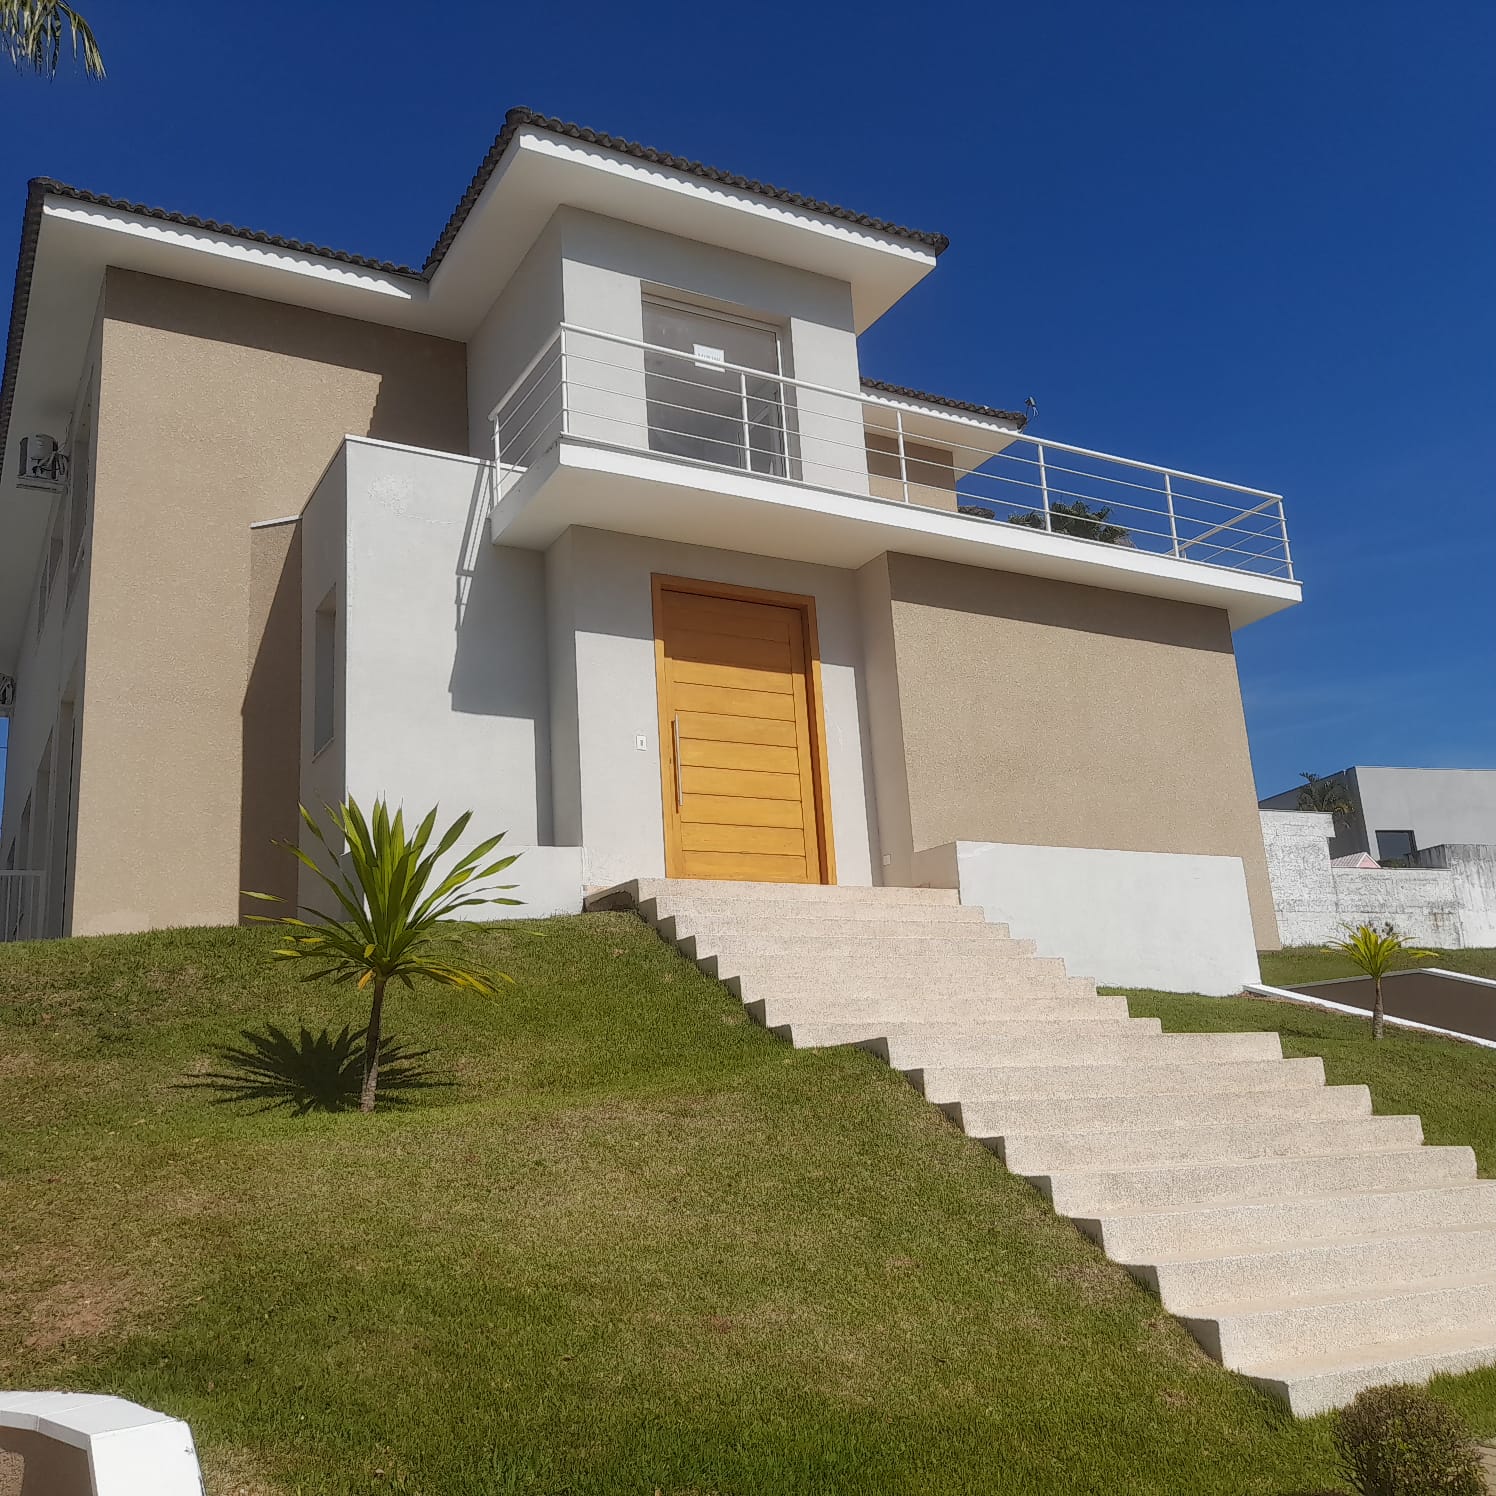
[1449, 901]
[1174, 922]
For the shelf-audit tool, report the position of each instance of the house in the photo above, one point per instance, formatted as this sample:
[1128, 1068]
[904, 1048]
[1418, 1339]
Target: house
[594, 524]
[1396, 812]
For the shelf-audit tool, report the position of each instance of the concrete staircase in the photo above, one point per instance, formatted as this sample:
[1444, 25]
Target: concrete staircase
[1307, 1244]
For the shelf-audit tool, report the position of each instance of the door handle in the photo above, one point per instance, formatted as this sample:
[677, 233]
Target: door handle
[680, 794]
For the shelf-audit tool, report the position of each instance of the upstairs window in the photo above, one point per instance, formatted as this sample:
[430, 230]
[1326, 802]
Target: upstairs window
[1396, 846]
[712, 388]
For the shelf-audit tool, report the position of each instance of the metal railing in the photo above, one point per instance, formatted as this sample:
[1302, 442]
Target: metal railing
[23, 904]
[619, 391]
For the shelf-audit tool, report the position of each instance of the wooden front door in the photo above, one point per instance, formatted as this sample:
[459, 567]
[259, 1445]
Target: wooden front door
[741, 736]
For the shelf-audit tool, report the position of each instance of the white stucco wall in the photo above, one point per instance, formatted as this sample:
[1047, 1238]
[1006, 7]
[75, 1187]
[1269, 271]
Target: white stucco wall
[607, 268]
[1441, 806]
[442, 692]
[603, 648]
[46, 722]
[517, 326]
[1168, 921]
[1473, 872]
[1315, 901]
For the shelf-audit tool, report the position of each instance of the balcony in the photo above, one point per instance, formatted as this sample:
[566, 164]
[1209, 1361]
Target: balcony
[619, 434]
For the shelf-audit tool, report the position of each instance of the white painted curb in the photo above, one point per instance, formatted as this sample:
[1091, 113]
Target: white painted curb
[132, 1451]
[1262, 990]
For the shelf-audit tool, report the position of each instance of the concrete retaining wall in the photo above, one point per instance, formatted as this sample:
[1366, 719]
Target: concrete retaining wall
[1448, 901]
[1170, 921]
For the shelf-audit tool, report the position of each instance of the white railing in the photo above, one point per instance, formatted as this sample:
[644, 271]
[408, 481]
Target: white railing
[23, 904]
[604, 388]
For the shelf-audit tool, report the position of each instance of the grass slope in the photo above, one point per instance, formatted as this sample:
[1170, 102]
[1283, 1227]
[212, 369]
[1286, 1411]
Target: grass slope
[643, 1246]
[1309, 963]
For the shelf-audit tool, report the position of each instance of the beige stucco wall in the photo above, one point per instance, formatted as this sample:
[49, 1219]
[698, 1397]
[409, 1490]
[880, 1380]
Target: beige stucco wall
[216, 411]
[1050, 714]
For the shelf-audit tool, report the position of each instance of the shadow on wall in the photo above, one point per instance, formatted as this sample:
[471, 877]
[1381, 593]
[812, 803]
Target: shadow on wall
[1060, 605]
[499, 667]
[270, 762]
[420, 397]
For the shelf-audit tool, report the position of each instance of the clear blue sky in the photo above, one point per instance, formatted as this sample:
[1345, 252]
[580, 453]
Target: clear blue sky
[1252, 240]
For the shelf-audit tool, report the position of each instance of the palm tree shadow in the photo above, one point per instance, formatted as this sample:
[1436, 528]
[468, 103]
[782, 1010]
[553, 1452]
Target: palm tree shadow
[313, 1072]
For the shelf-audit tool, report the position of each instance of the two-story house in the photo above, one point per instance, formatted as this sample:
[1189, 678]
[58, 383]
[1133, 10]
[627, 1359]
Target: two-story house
[593, 525]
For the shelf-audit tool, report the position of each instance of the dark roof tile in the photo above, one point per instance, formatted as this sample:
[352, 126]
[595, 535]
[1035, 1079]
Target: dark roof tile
[929, 399]
[517, 119]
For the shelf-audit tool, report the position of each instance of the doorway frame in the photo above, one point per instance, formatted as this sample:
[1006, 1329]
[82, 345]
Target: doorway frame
[660, 583]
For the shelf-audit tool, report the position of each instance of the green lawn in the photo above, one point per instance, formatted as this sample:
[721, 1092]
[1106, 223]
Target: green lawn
[640, 1246]
[1309, 963]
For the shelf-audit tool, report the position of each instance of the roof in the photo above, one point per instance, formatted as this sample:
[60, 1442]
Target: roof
[41, 188]
[518, 119]
[906, 393]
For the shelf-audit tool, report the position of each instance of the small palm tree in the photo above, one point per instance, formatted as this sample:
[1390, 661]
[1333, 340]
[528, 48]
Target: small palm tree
[1373, 951]
[391, 927]
[1077, 519]
[31, 35]
[1325, 795]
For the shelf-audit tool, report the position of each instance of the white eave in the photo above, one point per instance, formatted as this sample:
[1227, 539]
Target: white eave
[606, 487]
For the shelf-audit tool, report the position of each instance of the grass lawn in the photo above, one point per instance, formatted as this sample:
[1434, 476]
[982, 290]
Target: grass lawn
[1309, 963]
[642, 1246]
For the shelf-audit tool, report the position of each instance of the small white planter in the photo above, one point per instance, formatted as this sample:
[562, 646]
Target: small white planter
[81, 1444]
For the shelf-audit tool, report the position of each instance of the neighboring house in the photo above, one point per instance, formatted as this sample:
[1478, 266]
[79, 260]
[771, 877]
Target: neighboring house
[1397, 812]
[723, 607]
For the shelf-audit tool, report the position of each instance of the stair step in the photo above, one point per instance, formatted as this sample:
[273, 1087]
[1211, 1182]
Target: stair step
[986, 1116]
[918, 953]
[773, 912]
[1202, 1142]
[631, 892]
[716, 933]
[931, 1045]
[880, 967]
[1324, 1379]
[1143, 1234]
[878, 1011]
[1102, 1079]
[1191, 1284]
[848, 984]
[1094, 1192]
[1016, 1039]
[1252, 1330]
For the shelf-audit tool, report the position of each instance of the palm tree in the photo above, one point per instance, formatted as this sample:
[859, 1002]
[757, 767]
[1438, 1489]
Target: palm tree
[1077, 519]
[32, 32]
[1325, 795]
[1373, 951]
[391, 927]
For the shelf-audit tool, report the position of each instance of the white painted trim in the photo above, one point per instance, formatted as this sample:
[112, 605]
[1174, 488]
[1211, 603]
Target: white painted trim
[374, 441]
[270, 524]
[229, 247]
[1285, 995]
[521, 518]
[601, 158]
[1458, 976]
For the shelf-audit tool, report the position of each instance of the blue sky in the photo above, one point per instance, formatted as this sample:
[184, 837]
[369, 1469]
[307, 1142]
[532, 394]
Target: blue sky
[1256, 241]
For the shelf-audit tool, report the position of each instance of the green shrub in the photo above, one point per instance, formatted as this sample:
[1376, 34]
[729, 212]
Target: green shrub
[1399, 1441]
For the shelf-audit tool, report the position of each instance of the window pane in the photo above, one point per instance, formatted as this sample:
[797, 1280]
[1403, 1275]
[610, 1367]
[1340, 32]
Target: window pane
[701, 410]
